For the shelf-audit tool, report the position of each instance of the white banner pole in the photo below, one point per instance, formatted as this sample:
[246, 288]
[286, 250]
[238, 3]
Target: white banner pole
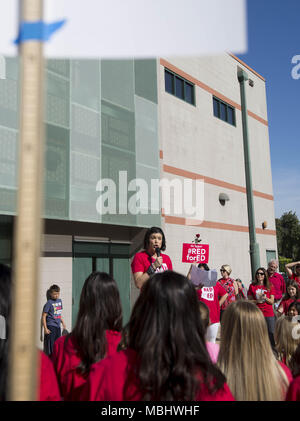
[23, 374]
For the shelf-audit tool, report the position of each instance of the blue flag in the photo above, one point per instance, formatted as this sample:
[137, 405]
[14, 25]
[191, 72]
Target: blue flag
[39, 31]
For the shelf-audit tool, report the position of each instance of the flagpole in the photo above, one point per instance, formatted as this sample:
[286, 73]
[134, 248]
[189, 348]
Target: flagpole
[24, 362]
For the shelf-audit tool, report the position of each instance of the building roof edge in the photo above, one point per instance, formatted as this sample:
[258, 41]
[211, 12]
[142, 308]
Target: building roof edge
[246, 65]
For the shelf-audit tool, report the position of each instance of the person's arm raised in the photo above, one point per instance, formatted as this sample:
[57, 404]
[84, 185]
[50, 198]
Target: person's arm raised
[288, 268]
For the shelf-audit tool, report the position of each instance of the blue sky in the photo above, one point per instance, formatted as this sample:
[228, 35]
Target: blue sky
[273, 40]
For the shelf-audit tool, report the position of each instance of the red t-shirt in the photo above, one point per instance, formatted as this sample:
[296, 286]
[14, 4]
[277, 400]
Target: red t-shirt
[48, 386]
[254, 292]
[71, 381]
[211, 296]
[295, 278]
[279, 285]
[286, 303]
[143, 260]
[108, 377]
[229, 288]
[293, 393]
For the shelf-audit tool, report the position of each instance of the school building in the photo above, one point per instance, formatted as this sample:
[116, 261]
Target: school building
[114, 127]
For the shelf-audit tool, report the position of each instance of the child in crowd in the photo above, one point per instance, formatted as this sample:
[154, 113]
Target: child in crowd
[246, 357]
[286, 339]
[51, 319]
[292, 294]
[294, 310]
[212, 348]
[47, 387]
[166, 358]
[95, 336]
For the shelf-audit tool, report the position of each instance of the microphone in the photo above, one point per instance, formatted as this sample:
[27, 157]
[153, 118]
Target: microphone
[157, 251]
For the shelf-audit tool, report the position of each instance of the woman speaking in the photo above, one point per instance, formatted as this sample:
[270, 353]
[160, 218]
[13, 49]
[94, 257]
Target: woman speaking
[150, 260]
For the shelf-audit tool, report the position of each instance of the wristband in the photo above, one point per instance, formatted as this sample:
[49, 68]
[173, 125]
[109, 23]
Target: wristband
[150, 270]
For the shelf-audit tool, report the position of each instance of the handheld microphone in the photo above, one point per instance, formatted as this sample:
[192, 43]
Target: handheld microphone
[157, 251]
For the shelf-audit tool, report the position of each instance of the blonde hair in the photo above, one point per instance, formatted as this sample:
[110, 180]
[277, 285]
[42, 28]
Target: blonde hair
[227, 268]
[286, 341]
[246, 357]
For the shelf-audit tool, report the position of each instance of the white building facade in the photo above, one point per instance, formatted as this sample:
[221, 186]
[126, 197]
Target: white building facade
[196, 144]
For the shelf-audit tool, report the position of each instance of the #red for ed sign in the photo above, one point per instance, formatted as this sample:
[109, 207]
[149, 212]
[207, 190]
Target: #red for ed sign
[195, 253]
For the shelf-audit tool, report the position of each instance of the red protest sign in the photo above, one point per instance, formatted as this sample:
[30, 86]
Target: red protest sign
[195, 253]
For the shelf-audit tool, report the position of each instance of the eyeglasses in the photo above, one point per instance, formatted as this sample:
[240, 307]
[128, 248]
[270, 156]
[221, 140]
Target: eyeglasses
[222, 270]
[260, 273]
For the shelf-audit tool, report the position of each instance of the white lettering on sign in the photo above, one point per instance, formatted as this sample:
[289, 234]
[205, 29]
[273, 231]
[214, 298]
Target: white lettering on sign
[207, 293]
[195, 258]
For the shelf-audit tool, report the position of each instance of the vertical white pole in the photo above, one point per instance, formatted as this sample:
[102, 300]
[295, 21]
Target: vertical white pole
[24, 362]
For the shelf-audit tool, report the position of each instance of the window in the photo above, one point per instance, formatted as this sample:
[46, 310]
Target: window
[169, 82]
[224, 111]
[112, 258]
[180, 87]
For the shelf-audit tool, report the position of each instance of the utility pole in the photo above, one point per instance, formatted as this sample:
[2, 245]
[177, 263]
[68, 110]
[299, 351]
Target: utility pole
[254, 246]
[24, 362]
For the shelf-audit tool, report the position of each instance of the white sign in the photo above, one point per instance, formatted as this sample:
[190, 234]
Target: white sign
[207, 293]
[208, 278]
[139, 28]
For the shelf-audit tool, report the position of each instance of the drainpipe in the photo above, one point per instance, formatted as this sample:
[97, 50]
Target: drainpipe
[254, 246]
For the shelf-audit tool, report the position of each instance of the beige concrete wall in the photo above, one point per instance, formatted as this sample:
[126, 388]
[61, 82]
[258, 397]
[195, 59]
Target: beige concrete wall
[194, 141]
[220, 73]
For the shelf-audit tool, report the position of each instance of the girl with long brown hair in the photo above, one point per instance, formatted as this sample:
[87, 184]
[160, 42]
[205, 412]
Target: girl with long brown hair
[95, 336]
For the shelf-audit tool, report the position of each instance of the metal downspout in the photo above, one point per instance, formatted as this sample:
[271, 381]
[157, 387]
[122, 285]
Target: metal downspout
[254, 246]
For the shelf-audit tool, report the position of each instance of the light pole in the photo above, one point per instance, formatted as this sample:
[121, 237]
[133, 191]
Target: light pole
[254, 246]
